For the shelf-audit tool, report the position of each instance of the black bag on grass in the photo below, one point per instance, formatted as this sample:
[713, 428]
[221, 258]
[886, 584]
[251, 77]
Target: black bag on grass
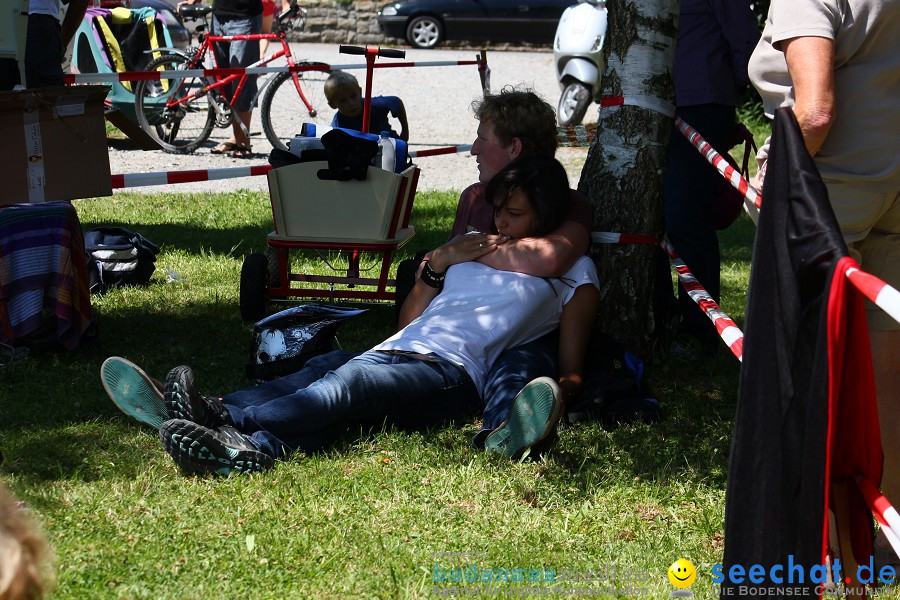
[117, 256]
[615, 389]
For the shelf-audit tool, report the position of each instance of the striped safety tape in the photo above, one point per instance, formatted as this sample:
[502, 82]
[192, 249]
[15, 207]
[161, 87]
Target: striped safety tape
[576, 136]
[129, 180]
[727, 329]
[164, 178]
[226, 72]
[883, 295]
[732, 175]
[884, 512]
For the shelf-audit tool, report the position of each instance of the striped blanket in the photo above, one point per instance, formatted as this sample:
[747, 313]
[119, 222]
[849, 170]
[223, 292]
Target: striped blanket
[42, 272]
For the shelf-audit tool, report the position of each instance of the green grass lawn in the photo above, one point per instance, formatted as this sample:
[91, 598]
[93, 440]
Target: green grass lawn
[377, 516]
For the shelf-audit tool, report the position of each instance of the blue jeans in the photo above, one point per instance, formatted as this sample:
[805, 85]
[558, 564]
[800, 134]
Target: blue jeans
[370, 390]
[238, 54]
[509, 374]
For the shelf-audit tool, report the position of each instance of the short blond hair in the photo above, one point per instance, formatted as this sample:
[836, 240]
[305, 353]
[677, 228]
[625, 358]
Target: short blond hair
[24, 564]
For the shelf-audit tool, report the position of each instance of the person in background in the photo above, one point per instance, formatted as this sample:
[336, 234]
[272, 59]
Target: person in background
[45, 44]
[237, 17]
[715, 40]
[837, 64]
[344, 95]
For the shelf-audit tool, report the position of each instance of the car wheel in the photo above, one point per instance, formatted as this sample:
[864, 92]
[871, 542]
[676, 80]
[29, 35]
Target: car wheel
[424, 32]
[573, 103]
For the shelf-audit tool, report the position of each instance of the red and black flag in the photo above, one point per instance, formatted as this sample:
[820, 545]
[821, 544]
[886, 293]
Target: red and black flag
[806, 424]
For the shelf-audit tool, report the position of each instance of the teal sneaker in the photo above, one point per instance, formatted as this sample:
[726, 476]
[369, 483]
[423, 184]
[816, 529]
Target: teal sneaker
[135, 393]
[532, 419]
[204, 450]
[183, 401]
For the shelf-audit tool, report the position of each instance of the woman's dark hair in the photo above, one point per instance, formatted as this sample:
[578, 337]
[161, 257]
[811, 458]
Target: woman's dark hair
[544, 183]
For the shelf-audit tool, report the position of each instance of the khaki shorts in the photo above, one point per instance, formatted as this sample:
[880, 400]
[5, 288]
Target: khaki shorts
[870, 224]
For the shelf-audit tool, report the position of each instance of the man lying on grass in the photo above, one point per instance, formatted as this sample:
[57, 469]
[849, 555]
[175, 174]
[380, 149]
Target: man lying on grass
[460, 316]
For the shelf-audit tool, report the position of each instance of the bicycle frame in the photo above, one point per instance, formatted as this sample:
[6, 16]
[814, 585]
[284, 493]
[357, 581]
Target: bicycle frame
[206, 46]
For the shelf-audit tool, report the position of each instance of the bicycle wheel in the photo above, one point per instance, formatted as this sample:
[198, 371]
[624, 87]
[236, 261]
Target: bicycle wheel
[283, 111]
[177, 126]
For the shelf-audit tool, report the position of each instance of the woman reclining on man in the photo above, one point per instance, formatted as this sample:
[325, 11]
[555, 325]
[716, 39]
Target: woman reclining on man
[459, 317]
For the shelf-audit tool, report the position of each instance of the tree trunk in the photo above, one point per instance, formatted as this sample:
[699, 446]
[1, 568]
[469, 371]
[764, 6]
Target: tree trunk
[622, 175]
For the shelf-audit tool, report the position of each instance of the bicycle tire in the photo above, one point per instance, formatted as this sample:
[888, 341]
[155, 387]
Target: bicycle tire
[178, 130]
[283, 112]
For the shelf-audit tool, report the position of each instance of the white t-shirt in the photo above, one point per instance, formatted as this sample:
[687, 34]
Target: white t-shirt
[483, 311]
[44, 7]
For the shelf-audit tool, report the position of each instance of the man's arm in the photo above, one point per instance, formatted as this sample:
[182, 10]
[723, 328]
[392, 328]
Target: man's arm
[810, 61]
[548, 256]
[72, 20]
[553, 254]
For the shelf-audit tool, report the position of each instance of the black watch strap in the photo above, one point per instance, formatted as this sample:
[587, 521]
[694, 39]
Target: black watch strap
[432, 278]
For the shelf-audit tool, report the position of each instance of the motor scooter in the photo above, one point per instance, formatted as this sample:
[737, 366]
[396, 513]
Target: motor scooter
[578, 54]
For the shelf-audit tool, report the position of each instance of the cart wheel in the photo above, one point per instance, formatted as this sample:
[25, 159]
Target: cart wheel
[254, 280]
[274, 272]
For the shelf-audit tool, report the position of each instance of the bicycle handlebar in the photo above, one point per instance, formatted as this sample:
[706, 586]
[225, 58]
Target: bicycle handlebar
[386, 52]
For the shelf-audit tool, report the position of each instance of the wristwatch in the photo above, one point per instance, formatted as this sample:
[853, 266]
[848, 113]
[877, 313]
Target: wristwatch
[432, 278]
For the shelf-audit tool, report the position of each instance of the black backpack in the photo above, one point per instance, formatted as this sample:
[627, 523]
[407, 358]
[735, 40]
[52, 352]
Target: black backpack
[117, 256]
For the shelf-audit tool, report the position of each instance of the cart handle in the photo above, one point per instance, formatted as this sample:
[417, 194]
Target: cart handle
[385, 52]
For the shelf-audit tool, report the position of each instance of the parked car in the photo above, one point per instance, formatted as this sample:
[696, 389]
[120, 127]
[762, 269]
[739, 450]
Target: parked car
[427, 23]
[181, 37]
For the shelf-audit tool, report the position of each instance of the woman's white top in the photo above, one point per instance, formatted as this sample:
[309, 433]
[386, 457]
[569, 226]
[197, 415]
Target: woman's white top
[482, 311]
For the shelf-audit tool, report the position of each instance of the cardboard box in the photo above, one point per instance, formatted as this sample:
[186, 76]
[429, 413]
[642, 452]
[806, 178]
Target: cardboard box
[304, 206]
[54, 144]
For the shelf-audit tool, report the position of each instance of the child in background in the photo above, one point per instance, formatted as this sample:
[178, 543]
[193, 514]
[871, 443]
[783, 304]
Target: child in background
[344, 94]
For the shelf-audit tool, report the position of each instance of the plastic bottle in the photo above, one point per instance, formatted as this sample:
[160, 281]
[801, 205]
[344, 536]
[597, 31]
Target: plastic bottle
[386, 145]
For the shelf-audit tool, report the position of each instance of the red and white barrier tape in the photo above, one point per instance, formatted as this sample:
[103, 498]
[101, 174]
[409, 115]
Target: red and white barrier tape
[437, 151]
[884, 296]
[226, 72]
[576, 136]
[732, 175]
[727, 329]
[649, 102]
[129, 180]
[885, 513]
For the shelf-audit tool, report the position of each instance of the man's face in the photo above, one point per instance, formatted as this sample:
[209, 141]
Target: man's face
[346, 100]
[490, 154]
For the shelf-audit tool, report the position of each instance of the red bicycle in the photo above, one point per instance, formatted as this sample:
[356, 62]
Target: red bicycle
[180, 113]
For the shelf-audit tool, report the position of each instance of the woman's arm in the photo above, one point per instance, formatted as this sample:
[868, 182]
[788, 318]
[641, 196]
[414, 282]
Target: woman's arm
[575, 328]
[462, 248]
[810, 61]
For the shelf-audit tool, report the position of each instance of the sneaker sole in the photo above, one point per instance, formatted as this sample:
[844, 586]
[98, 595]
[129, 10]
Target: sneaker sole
[532, 417]
[175, 404]
[133, 391]
[196, 450]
